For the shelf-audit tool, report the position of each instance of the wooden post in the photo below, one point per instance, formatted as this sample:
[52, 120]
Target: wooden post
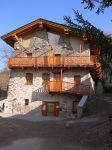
[51, 56]
[48, 86]
[80, 54]
[15, 37]
[66, 32]
[61, 80]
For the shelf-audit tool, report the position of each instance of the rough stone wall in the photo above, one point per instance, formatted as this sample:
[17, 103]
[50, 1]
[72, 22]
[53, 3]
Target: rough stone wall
[19, 91]
[86, 78]
[39, 45]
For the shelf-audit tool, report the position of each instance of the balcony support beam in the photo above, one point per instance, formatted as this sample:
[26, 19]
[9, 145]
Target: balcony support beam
[15, 37]
[61, 80]
[66, 32]
[40, 25]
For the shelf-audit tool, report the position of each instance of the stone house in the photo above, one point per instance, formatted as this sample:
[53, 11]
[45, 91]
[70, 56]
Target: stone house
[50, 68]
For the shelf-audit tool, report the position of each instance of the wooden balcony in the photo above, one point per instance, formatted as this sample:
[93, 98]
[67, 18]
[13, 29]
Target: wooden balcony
[52, 61]
[66, 87]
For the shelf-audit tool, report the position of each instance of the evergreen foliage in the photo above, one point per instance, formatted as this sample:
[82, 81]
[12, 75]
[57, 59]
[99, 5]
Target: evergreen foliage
[82, 27]
[102, 4]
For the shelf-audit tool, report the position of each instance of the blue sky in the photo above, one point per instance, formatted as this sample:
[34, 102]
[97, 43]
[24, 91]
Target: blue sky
[15, 13]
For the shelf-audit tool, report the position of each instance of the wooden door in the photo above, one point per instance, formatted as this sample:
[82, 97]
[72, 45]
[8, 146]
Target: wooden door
[74, 107]
[56, 111]
[50, 109]
[56, 82]
[57, 58]
[45, 78]
[50, 59]
[44, 109]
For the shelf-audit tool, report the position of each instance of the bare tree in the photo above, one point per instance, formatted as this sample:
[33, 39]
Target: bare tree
[5, 53]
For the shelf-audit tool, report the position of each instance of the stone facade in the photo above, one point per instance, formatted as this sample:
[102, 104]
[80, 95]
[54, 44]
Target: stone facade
[19, 91]
[38, 43]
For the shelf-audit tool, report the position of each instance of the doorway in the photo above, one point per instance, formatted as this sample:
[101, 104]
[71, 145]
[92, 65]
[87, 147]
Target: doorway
[74, 107]
[57, 58]
[50, 109]
[56, 82]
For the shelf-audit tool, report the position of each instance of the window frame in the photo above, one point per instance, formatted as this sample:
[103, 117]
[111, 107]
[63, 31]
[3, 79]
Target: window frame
[29, 54]
[44, 80]
[29, 78]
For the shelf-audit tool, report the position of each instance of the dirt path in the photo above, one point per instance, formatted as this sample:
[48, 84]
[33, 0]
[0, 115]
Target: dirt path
[53, 135]
[90, 133]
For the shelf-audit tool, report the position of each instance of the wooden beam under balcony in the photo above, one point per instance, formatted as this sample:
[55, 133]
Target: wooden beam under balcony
[15, 37]
[66, 32]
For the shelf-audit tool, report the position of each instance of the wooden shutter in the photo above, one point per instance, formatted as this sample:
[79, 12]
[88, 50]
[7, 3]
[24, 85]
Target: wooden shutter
[44, 109]
[29, 78]
[45, 78]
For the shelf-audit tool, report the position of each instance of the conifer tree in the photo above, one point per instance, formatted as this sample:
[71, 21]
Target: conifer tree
[102, 4]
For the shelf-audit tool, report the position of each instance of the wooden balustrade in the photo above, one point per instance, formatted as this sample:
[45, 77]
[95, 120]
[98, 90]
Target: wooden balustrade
[67, 87]
[52, 61]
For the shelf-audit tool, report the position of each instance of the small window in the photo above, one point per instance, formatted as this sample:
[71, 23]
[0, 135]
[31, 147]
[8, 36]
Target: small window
[45, 78]
[29, 78]
[57, 54]
[29, 54]
[26, 101]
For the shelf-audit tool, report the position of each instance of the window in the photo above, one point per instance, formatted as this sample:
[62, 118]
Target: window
[77, 80]
[29, 78]
[45, 78]
[26, 101]
[57, 54]
[29, 54]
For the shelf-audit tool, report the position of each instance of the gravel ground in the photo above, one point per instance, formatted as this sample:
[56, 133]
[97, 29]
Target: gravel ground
[89, 133]
[54, 135]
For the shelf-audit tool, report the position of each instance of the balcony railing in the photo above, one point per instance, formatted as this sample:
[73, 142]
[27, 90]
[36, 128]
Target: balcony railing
[52, 61]
[67, 87]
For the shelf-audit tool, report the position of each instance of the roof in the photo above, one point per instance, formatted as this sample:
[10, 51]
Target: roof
[9, 38]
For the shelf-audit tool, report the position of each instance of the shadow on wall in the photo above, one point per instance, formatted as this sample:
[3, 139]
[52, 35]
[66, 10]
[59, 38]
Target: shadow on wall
[32, 108]
[36, 96]
[42, 92]
[3, 94]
